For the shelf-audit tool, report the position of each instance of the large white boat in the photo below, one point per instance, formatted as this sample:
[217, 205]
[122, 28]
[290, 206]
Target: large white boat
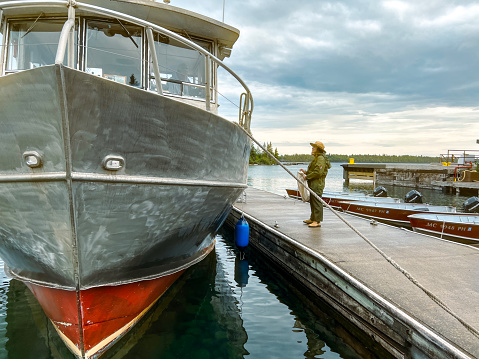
[116, 170]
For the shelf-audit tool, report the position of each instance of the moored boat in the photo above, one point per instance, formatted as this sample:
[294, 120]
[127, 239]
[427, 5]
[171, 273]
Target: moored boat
[392, 213]
[334, 198]
[293, 193]
[116, 170]
[459, 227]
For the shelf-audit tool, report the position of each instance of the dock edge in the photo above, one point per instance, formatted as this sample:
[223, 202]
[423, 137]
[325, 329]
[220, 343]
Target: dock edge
[387, 325]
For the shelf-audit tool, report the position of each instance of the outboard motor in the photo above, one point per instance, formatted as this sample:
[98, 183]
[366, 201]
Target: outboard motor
[471, 205]
[380, 192]
[413, 197]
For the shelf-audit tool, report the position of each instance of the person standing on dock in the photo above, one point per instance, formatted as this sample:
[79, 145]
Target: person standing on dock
[316, 177]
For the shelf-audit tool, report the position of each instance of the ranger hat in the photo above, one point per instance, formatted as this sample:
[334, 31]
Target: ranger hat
[318, 144]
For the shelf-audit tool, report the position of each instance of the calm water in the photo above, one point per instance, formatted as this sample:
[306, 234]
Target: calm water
[224, 307]
[275, 179]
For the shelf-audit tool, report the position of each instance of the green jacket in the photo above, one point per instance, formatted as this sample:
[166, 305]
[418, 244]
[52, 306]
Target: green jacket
[317, 171]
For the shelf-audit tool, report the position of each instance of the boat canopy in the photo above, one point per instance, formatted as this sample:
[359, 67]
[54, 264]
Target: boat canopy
[103, 39]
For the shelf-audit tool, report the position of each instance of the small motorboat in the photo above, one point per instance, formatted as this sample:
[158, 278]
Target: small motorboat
[392, 213]
[459, 227]
[334, 198]
[293, 193]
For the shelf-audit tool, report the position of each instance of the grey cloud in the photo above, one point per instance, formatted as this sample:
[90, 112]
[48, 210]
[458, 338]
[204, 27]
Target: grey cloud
[377, 68]
[370, 49]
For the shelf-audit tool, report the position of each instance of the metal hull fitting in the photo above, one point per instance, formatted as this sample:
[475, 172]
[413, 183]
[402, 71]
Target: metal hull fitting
[73, 225]
[460, 227]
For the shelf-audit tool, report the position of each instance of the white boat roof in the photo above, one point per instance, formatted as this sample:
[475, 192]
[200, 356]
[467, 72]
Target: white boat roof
[171, 17]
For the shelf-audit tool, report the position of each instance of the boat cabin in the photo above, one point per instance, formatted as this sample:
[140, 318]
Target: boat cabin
[115, 44]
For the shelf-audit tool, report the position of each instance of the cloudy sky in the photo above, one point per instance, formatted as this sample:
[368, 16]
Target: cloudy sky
[377, 77]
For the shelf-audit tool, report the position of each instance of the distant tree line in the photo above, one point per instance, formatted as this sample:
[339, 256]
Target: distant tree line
[363, 158]
[258, 156]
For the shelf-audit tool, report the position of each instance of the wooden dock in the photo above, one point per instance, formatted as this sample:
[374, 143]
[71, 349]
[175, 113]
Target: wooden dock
[337, 265]
[429, 176]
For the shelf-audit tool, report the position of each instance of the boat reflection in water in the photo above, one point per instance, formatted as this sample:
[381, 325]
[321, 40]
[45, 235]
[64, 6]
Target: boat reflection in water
[116, 170]
[26, 321]
[210, 312]
[191, 306]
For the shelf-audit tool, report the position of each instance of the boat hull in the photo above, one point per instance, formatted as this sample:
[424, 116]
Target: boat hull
[391, 213]
[293, 193]
[334, 199]
[462, 228]
[72, 225]
[106, 313]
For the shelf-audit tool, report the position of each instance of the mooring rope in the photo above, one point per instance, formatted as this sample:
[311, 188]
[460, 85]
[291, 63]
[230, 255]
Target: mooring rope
[443, 305]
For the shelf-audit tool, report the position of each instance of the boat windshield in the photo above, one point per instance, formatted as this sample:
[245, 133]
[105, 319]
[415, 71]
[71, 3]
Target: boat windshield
[33, 43]
[113, 51]
[182, 69]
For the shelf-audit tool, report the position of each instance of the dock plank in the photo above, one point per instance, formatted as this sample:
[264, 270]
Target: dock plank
[447, 269]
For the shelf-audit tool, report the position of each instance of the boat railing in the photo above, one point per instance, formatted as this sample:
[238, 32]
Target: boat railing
[459, 157]
[246, 103]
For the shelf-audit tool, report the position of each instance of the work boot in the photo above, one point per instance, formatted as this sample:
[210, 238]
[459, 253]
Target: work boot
[308, 221]
[314, 224]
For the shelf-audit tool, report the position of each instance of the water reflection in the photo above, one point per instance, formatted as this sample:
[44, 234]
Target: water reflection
[241, 269]
[283, 322]
[198, 318]
[231, 305]
[275, 179]
[28, 332]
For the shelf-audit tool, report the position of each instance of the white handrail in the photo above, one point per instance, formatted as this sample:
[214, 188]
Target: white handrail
[128, 18]
[156, 67]
[71, 37]
[62, 43]
[207, 82]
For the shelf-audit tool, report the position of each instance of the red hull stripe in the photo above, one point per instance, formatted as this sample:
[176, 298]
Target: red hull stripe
[461, 230]
[60, 306]
[105, 310]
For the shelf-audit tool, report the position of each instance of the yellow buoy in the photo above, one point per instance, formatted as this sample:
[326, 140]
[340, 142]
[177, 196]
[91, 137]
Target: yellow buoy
[351, 161]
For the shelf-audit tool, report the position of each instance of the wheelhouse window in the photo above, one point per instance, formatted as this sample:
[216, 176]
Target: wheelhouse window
[113, 51]
[182, 69]
[33, 43]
